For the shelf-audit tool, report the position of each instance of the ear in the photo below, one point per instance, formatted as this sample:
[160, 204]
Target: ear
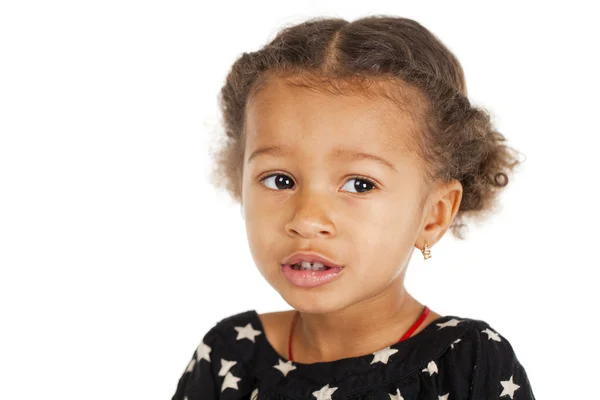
[441, 208]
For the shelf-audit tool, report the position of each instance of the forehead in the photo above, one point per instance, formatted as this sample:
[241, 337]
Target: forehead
[286, 113]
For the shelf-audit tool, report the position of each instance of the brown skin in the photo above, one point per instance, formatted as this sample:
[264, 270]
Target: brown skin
[372, 234]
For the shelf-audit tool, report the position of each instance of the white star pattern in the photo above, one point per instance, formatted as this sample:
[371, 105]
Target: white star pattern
[203, 352]
[325, 393]
[452, 322]
[284, 367]
[383, 355]
[226, 366]
[190, 365]
[509, 387]
[431, 368]
[492, 335]
[228, 369]
[246, 332]
[230, 381]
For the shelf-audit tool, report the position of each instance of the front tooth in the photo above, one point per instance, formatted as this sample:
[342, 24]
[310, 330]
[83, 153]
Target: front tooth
[316, 266]
[305, 265]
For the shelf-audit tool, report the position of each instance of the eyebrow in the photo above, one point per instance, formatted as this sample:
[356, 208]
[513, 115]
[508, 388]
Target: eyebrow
[349, 155]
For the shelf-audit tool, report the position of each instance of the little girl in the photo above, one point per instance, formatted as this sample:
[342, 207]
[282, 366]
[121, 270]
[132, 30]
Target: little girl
[348, 145]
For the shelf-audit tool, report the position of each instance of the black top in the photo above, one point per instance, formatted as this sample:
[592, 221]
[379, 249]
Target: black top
[452, 358]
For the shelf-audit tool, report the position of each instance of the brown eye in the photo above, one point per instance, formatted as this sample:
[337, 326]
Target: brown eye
[361, 185]
[279, 181]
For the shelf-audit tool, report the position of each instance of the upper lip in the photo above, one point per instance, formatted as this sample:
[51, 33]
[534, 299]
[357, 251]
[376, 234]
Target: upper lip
[309, 256]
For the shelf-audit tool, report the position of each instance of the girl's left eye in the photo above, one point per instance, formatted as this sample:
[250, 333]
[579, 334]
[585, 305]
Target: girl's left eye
[361, 184]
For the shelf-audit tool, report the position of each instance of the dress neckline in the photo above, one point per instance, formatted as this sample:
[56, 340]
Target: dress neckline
[406, 335]
[421, 337]
[395, 362]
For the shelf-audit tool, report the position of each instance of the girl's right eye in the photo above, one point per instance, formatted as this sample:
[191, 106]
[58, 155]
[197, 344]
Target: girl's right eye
[280, 181]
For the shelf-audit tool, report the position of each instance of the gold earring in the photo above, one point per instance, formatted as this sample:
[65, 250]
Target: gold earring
[426, 252]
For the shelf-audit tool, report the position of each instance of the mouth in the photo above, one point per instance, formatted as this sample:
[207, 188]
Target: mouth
[308, 266]
[310, 260]
[309, 275]
[308, 269]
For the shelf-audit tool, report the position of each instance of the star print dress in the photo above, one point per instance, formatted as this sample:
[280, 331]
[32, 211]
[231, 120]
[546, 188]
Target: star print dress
[452, 358]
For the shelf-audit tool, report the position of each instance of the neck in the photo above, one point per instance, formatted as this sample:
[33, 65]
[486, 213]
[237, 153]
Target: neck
[356, 330]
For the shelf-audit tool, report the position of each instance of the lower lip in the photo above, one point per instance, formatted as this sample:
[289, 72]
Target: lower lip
[309, 279]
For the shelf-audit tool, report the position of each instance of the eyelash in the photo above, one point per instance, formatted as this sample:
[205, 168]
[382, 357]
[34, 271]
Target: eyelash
[357, 177]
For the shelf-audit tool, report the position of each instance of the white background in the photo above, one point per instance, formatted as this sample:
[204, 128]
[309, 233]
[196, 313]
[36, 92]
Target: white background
[116, 254]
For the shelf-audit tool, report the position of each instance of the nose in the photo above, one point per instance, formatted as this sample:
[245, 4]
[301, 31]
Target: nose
[312, 217]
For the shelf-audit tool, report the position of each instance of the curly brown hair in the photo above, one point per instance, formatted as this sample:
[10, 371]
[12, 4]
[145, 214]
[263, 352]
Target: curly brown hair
[457, 140]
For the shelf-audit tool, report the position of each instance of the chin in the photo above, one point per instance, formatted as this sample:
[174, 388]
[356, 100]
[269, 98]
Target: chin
[312, 301]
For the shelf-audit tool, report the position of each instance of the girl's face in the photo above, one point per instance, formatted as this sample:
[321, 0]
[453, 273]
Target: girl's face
[311, 192]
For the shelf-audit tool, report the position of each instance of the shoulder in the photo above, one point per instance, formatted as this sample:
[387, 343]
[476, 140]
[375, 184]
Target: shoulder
[230, 329]
[239, 334]
[481, 360]
[479, 337]
[269, 324]
[476, 340]
[221, 359]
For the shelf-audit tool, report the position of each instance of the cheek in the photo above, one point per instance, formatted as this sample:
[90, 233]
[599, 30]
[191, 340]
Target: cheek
[260, 220]
[258, 241]
[261, 232]
[392, 219]
[386, 235]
